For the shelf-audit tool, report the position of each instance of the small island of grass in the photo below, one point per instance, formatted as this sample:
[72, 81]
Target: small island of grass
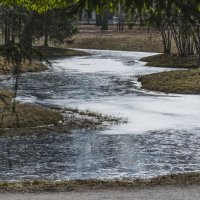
[172, 61]
[184, 81]
[180, 81]
[27, 117]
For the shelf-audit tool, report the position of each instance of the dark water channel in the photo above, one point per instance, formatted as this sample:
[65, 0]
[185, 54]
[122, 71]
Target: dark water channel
[162, 136]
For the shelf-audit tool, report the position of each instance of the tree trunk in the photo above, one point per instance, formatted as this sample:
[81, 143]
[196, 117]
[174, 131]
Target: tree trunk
[14, 30]
[167, 39]
[6, 39]
[105, 19]
[7, 33]
[98, 20]
[196, 38]
[20, 26]
[46, 38]
[27, 35]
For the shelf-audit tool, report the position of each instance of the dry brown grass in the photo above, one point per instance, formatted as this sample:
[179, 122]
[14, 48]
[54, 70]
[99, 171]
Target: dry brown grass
[55, 52]
[26, 115]
[34, 66]
[32, 119]
[5, 97]
[29, 116]
[82, 185]
[173, 61]
[181, 81]
[138, 39]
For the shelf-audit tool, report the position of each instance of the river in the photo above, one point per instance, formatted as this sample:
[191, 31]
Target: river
[162, 135]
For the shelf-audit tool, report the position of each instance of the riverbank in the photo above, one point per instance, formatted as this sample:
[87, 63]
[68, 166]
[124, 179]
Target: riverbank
[28, 115]
[175, 180]
[172, 61]
[140, 39]
[57, 52]
[185, 81]
[180, 81]
[36, 65]
[30, 119]
[8, 68]
[24, 115]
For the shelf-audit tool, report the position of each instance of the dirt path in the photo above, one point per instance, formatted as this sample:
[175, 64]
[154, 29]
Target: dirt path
[154, 193]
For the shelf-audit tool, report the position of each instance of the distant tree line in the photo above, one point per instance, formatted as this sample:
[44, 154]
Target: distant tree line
[19, 25]
[176, 20]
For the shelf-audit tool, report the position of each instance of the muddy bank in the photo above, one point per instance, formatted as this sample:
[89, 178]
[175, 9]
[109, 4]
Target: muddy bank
[83, 185]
